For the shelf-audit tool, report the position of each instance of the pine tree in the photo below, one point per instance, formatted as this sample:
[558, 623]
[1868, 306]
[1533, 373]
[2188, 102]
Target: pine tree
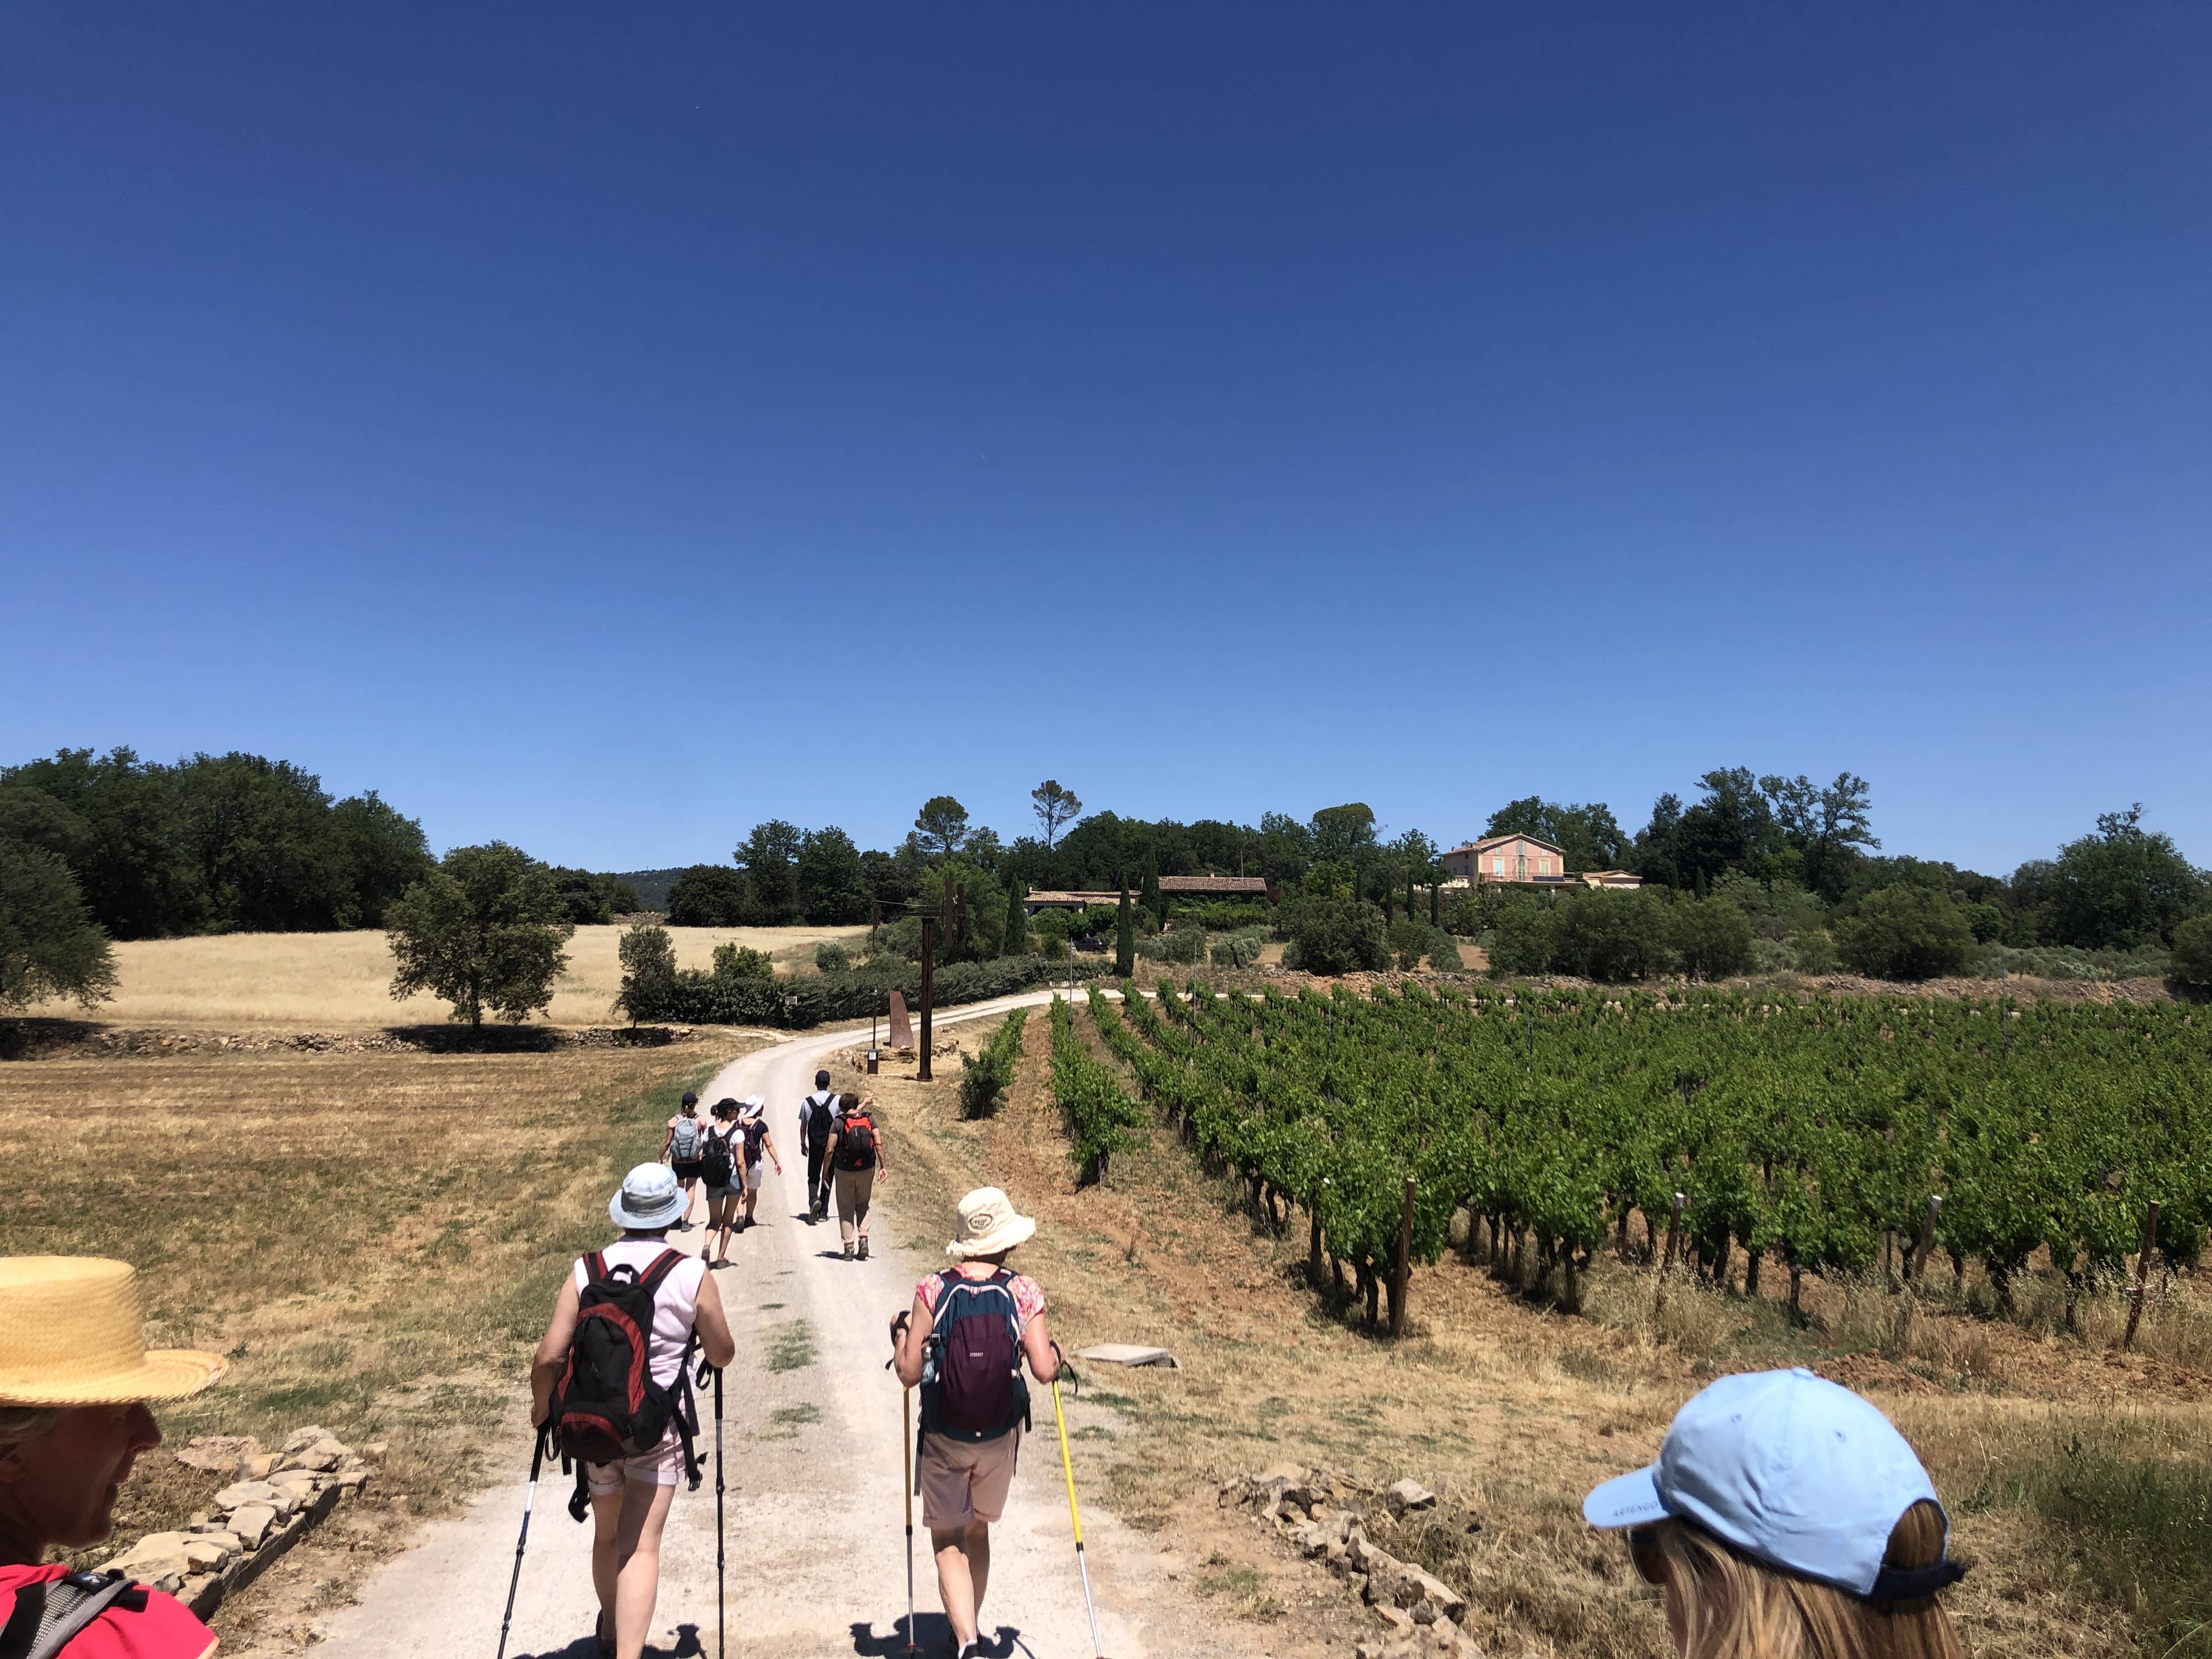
[1017, 921]
[1125, 937]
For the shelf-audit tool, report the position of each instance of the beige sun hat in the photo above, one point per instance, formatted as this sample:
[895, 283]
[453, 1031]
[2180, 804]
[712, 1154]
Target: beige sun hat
[72, 1333]
[988, 1224]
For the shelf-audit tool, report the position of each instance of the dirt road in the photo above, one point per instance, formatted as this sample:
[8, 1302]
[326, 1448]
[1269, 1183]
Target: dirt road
[814, 1544]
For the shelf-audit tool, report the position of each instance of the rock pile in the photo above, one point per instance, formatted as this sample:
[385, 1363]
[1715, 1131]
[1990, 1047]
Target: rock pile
[1316, 1510]
[273, 1498]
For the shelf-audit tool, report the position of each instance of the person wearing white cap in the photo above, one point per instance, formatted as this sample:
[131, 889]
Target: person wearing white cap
[1786, 1518]
[630, 1498]
[75, 1376]
[963, 1343]
[752, 1120]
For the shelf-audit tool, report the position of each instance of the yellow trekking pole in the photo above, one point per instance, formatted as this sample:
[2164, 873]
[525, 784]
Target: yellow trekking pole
[1074, 1516]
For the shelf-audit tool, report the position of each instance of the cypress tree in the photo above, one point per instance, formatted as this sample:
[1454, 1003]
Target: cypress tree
[1125, 937]
[1017, 921]
[1152, 899]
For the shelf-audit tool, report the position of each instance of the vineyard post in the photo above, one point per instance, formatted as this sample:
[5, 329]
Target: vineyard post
[1673, 1234]
[1918, 1265]
[1403, 1264]
[928, 964]
[2143, 1275]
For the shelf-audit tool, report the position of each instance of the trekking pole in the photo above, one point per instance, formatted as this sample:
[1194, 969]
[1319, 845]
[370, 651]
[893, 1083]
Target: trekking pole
[529, 1501]
[1074, 1516]
[721, 1646]
[906, 1443]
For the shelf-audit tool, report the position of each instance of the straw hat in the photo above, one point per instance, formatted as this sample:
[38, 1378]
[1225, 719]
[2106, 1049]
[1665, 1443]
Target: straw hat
[988, 1224]
[71, 1335]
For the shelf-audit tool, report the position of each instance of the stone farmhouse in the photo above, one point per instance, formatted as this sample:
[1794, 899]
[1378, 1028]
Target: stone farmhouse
[1521, 860]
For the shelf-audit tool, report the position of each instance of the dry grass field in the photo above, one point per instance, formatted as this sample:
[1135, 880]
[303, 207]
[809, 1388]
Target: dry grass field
[342, 982]
[2078, 1479]
[373, 1239]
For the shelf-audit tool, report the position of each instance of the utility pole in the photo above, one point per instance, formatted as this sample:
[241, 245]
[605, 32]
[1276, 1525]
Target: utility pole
[928, 969]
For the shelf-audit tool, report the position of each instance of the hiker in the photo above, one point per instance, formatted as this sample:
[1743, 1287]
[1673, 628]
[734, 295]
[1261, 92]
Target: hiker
[754, 1125]
[974, 1402]
[817, 1123]
[681, 1151]
[630, 1495]
[856, 1167]
[1787, 1519]
[76, 1378]
[720, 1163]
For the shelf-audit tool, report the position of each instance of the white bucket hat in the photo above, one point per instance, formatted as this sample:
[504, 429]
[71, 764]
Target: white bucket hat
[988, 1224]
[649, 1199]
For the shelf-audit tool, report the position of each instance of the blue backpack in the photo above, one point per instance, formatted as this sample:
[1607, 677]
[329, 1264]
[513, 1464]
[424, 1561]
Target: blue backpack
[972, 1386]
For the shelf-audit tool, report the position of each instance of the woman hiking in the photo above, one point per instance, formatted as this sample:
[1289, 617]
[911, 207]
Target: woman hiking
[76, 1376]
[687, 1139]
[1787, 1519]
[973, 1403]
[753, 1127]
[630, 1497]
[856, 1169]
[722, 1155]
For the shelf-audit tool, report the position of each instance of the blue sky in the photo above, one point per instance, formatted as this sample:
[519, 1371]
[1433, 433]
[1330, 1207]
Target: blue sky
[605, 428]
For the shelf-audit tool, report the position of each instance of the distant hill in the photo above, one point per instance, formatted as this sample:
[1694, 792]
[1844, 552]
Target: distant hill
[652, 886]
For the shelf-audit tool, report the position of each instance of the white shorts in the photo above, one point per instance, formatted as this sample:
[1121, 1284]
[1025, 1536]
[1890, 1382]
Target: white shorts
[661, 1466]
[752, 1177]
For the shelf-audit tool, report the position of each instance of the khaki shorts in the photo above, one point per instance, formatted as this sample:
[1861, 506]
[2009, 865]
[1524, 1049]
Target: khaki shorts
[661, 1466]
[963, 1481]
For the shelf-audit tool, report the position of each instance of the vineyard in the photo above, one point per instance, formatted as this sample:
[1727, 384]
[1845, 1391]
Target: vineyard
[1811, 1135]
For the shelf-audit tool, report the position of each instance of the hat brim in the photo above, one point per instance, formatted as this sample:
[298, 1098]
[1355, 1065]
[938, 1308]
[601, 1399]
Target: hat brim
[646, 1221]
[1015, 1232]
[162, 1374]
[1628, 1500]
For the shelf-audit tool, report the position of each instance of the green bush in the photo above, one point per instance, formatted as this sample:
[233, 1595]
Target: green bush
[1905, 933]
[832, 958]
[1524, 941]
[2192, 951]
[1410, 941]
[1443, 953]
[709, 895]
[741, 962]
[1612, 936]
[1331, 933]
[1711, 937]
[696, 998]
[1185, 944]
[648, 965]
[1815, 951]
[1240, 950]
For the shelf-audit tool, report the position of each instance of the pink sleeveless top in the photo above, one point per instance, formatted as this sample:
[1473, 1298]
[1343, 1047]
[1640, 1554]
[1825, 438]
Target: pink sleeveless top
[673, 1310]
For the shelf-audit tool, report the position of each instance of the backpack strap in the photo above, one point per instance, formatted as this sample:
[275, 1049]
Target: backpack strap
[663, 1265]
[48, 1616]
[595, 1266]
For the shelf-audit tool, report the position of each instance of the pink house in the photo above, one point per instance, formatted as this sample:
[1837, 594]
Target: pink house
[1514, 858]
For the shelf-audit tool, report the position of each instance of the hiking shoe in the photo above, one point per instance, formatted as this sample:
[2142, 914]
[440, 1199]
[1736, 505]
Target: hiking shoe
[864, 1250]
[848, 1253]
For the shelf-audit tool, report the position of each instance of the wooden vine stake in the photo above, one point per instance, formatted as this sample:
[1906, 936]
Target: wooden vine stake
[1666, 1262]
[1403, 1265]
[2143, 1275]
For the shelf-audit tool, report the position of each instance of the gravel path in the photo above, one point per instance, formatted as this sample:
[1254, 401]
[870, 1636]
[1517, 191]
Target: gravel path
[815, 1540]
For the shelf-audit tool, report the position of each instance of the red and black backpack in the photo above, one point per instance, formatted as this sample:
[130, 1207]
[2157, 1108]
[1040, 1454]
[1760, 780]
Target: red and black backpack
[607, 1405]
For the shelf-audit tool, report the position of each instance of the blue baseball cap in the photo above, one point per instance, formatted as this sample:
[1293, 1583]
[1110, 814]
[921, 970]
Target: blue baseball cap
[1792, 1470]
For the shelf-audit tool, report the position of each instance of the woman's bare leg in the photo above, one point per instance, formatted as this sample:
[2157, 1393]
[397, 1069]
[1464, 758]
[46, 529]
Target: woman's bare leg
[963, 1572]
[626, 1559]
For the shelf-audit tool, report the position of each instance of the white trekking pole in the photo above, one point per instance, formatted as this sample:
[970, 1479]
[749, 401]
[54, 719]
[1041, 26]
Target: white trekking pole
[529, 1502]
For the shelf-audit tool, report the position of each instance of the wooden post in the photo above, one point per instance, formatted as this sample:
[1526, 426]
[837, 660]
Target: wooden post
[1404, 1264]
[1918, 1265]
[928, 975]
[2143, 1275]
[1674, 1233]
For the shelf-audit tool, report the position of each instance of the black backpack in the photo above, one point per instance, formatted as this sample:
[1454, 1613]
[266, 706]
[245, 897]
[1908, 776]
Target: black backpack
[607, 1405]
[715, 1163]
[821, 1120]
[856, 1147]
[972, 1387]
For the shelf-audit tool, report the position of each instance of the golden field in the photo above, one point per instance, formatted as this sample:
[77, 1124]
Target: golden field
[340, 981]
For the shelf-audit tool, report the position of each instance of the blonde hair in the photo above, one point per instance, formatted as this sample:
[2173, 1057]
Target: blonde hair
[1722, 1604]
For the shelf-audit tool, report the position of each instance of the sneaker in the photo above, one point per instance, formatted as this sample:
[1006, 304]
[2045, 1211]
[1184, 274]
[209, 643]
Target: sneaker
[848, 1253]
[864, 1250]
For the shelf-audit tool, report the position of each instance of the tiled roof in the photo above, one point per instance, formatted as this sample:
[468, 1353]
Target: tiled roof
[1213, 884]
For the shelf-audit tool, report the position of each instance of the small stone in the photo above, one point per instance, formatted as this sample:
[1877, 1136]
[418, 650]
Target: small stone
[259, 1468]
[1395, 1619]
[168, 1583]
[353, 1481]
[245, 1492]
[1410, 1495]
[205, 1555]
[225, 1540]
[377, 1450]
[299, 1439]
[200, 1522]
[252, 1521]
[1422, 1612]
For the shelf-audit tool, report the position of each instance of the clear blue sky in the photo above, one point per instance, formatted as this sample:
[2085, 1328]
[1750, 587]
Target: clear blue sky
[605, 427]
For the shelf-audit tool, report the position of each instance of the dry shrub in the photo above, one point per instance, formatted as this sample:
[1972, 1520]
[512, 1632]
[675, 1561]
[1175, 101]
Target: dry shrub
[1676, 1308]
